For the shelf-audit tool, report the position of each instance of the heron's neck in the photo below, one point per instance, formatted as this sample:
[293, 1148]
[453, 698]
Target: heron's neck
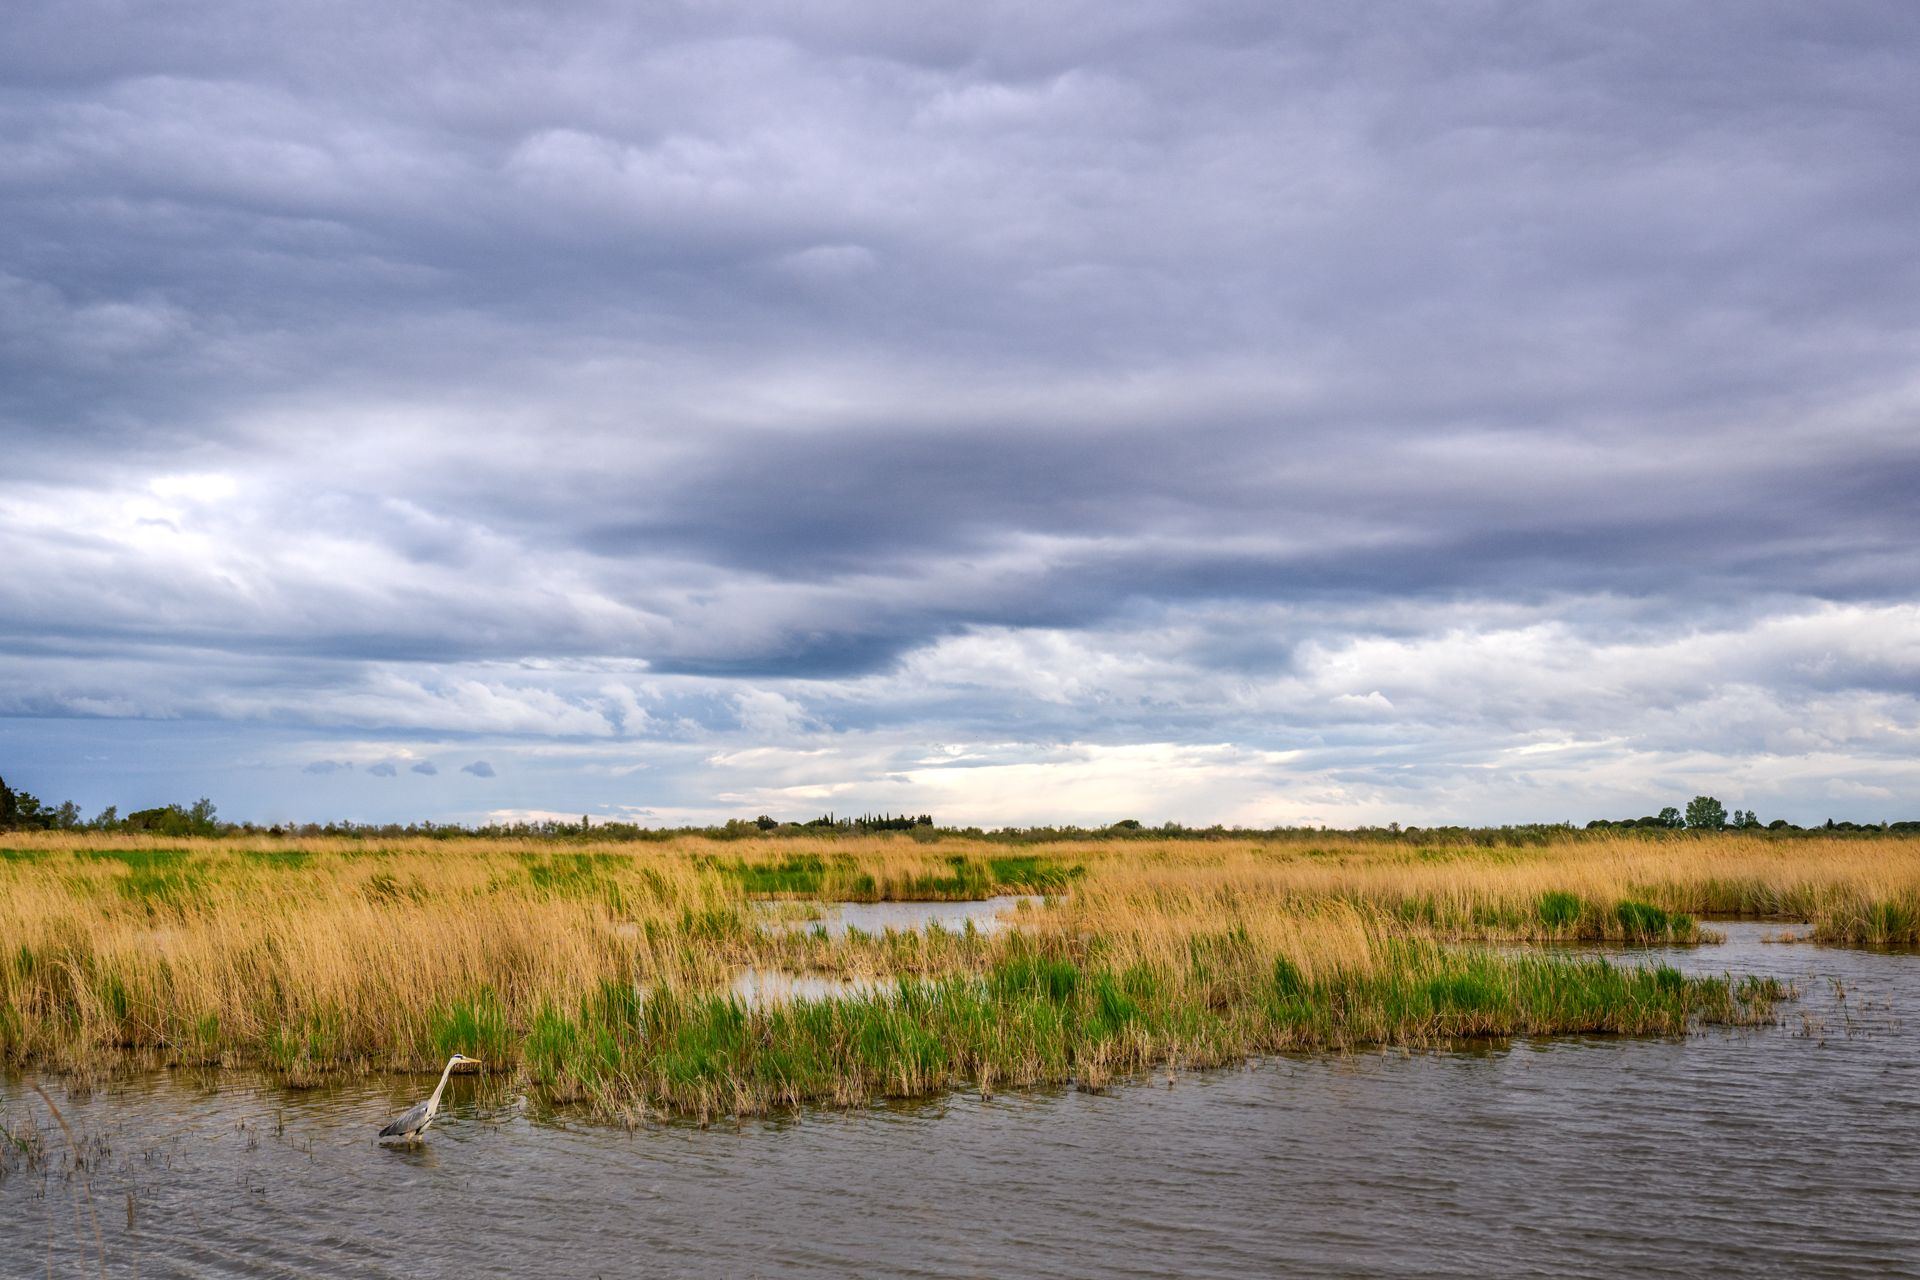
[441, 1087]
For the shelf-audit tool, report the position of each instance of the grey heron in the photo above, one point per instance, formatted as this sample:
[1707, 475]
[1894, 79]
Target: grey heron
[413, 1122]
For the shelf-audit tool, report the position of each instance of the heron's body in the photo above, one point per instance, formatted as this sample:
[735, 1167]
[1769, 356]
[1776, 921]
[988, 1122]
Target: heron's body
[413, 1122]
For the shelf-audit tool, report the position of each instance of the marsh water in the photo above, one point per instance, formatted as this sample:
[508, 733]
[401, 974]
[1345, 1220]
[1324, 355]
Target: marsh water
[1790, 1150]
[984, 915]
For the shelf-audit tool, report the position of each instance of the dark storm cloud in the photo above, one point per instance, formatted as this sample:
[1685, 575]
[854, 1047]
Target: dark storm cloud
[1513, 517]
[467, 367]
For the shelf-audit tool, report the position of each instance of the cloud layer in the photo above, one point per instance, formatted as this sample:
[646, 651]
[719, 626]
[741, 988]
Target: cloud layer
[1228, 414]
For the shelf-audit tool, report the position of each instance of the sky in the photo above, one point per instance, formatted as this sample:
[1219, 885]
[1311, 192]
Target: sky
[1242, 413]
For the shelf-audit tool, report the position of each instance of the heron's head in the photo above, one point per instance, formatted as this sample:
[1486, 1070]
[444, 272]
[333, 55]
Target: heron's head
[460, 1059]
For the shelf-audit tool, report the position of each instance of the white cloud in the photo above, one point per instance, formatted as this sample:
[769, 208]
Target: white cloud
[199, 487]
[1847, 789]
[1374, 701]
[765, 713]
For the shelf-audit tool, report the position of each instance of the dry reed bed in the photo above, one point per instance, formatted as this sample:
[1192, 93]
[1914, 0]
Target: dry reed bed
[316, 955]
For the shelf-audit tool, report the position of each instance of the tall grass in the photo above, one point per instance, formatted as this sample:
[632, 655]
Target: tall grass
[601, 971]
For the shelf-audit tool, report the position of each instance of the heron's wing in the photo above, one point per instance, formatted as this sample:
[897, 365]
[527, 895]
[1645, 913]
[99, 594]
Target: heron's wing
[407, 1122]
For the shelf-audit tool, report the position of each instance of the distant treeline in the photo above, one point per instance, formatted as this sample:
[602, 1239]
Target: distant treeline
[22, 811]
[1704, 813]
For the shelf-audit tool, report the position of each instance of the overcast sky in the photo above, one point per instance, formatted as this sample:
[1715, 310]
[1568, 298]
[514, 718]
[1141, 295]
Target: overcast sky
[1064, 412]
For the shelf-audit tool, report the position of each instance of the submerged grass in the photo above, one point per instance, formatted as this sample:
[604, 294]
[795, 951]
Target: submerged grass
[601, 972]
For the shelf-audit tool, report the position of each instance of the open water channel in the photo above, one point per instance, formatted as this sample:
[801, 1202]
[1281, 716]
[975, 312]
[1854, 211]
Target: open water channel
[1791, 1150]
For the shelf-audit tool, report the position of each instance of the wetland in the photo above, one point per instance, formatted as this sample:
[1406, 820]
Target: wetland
[879, 1055]
[1783, 1149]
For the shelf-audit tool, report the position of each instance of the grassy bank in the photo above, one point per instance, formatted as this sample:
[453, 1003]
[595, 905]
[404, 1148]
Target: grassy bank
[1035, 1017]
[311, 956]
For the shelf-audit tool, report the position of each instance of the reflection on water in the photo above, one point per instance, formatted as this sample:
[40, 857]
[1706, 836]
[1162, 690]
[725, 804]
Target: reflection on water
[756, 987]
[1788, 1150]
[986, 915]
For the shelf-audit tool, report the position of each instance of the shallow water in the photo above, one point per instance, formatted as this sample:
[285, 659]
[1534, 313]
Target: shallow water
[1787, 1150]
[986, 915]
[758, 987]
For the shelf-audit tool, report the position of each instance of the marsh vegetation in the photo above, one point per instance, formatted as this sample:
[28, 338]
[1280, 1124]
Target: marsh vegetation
[605, 974]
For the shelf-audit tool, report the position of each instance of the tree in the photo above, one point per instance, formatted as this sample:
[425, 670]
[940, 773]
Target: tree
[23, 811]
[173, 820]
[1704, 813]
[1670, 817]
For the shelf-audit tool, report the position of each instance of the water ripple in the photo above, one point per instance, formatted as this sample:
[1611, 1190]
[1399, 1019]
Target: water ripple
[1788, 1150]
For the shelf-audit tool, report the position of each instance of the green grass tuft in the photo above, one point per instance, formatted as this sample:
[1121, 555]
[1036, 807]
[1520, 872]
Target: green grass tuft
[1560, 910]
[476, 1026]
[801, 875]
[1643, 922]
[160, 886]
[578, 875]
[1032, 874]
[278, 859]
